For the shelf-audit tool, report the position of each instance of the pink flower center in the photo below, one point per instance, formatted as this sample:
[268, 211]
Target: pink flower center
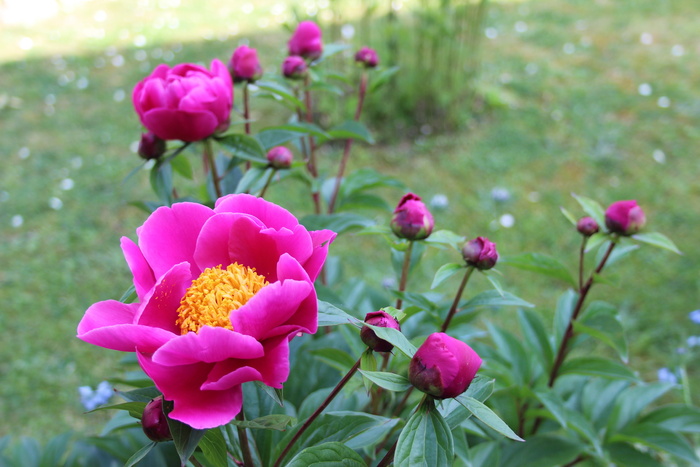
[217, 292]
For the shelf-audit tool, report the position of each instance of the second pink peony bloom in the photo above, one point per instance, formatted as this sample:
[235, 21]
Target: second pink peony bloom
[221, 293]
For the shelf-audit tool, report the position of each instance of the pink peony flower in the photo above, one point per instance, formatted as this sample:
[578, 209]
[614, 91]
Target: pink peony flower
[443, 366]
[221, 293]
[244, 64]
[480, 252]
[625, 217]
[411, 219]
[294, 67]
[187, 102]
[306, 41]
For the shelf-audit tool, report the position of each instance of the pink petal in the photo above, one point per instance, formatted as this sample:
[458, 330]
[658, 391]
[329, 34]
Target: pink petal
[306, 316]
[200, 409]
[105, 325]
[248, 246]
[169, 236]
[159, 306]
[140, 269]
[229, 374]
[184, 125]
[321, 241]
[212, 244]
[269, 213]
[211, 344]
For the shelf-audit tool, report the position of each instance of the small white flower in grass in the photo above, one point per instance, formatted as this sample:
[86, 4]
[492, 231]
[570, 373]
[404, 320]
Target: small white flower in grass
[569, 48]
[55, 203]
[507, 220]
[677, 50]
[500, 194]
[118, 60]
[663, 102]
[520, 27]
[439, 201]
[26, 43]
[347, 31]
[491, 33]
[67, 184]
[659, 156]
[23, 152]
[119, 95]
[140, 40]
[667, 376]
[646, 38]
[644, 89]
[82, 83]
[16, 221]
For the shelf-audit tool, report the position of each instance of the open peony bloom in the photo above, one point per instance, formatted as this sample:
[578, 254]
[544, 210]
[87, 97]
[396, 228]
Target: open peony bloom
[187, 102]
[625, 217]
[306, 41]
[443, 366]
[221, 293]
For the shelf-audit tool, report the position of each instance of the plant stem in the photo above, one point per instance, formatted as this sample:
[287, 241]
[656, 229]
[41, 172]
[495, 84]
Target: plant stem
[404, 272]
[581, 254]
[389, 457]
[455, 303]
[246, 108]
[348, 144]
[243, 438]
[211, 163]
[318, 411]
[311, 164]
[267, 183]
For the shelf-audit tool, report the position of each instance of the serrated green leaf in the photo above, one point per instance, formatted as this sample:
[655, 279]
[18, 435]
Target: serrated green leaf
[331, 315]
[445, 272]
[486, 415]
[140, 454]
[388, 381]
[213, 447]
[592, 208]
[425, 441]
[658, 240]
[326, 455]
[597, 366]
[395, 338]
[539, 263]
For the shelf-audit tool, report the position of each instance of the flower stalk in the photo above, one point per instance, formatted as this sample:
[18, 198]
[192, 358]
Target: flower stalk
[404, 272]
[210, 163]
[243, 439]
[458, 297]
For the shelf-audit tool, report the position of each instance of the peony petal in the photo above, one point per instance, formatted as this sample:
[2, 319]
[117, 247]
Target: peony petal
[159, 306]
[184, 125]
[109, 324]
[209, 345]
[212, 245]
[248, 246]
[200, 409]
[140, 269]
[306, 316]
[275, 305]
[229, 374]
[321, 241]
[269, 213]
[169, 236]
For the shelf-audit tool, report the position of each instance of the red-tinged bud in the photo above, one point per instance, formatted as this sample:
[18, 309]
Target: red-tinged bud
[306, 41]
[480, 252]
[624, 217]
[244, 65]
[280, 157]
[154, 421]
[150, 146]
[294, 67]
[368, 57]
[443, 366]
[411, 219]
[587, 226]
[369, 337]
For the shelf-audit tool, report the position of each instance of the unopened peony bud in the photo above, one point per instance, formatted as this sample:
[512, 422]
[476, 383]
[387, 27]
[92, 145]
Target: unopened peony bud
[294, 67]
[443, 366]
[280, 157]
[368, 57]
[154, 421]
[412, 220]
[369, 337]
[587, 226]
[150, 146]
[306, 41]
[624, 217]
[244, 65]
[480, 252]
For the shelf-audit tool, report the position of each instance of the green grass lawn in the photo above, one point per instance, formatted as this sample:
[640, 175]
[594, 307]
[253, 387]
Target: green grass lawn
[598, 98]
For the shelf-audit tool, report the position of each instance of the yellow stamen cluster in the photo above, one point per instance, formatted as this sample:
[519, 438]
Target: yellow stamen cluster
[215, 294]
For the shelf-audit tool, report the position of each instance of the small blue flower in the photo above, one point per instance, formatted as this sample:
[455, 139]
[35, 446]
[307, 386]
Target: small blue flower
[91, 399]
[667, 376]
[693, 341]
[439, 202]
[694, 316]
[500, 194]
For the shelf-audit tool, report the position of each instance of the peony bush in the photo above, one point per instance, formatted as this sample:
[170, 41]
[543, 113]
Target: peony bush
[248, 345]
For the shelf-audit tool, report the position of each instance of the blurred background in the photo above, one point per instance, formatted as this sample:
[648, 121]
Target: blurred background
[499, 111]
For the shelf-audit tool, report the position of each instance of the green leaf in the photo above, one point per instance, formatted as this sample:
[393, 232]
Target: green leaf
[541, 264]
[536, 336]
[455, 413]
[140, 454]
[330, 315]
[274, 393]
[595, 240]
[277, 422]
[658, 240]
[562, 315]
[271, 138]
[283, 92]
[338, 222]
[516, 357]
[368, 362]
[184, 436]
[632, 401]
[394, 337]
[625, 455]
[388, 381]
[381, 78]
[570, 217]
[495, 299]
[541, 450]
[675, 417]
[303, 128]
[486, 415]
[181, 164]
[446, 271]
[351, 129]
[657, 437]
[336, 358]
[592, 208]
[425, 441]
[162, 182]
[553, 404]
[244, 147]
[326, 455]
[140, 395]
[446, 238]
[490, 274]
[607, 329]
[253, 180]
[135, 409]
[213, 447]
[597, 366]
